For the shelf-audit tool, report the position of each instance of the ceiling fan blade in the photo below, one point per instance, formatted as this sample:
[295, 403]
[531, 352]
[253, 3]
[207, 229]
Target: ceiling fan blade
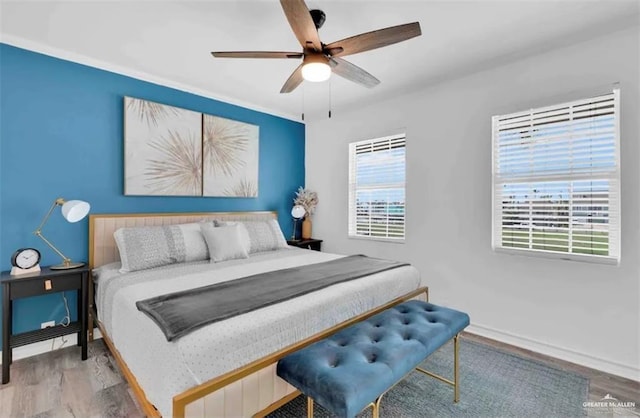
[293, 81]
[302, 24]
[374, 39]
[257, 54]
[352, 72]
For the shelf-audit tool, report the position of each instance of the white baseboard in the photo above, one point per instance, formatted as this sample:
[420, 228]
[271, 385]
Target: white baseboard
[605, 365]
[41, 347]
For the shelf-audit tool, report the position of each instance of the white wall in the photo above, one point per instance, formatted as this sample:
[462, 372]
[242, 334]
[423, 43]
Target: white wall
[582, 312]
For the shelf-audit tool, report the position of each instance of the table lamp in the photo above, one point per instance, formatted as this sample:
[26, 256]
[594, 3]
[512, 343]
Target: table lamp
[72, 211]
[297, 212]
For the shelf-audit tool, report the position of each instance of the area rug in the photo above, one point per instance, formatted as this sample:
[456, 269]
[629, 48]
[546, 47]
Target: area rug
[493, 383]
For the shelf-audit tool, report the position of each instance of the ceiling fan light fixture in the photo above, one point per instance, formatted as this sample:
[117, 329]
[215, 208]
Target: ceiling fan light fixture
[316, 68]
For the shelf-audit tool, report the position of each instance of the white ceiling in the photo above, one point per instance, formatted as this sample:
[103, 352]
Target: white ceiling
[170, 41]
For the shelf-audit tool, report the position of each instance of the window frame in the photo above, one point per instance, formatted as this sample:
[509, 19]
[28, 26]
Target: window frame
[496, 213]
[352, 191]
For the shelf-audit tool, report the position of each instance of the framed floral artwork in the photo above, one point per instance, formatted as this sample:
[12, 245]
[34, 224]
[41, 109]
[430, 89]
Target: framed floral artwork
[169, 151]
[230, 153]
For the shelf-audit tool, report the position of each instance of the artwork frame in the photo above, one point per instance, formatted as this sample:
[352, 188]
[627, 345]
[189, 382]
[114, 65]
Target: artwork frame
[170, 151]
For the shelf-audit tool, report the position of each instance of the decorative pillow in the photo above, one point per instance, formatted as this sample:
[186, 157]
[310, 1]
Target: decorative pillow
[242, 230]
[153, 246]
[225, 243]
[263, 235]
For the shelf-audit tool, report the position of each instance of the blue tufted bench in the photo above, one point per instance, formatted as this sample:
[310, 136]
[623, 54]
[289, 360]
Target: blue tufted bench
[352, 369]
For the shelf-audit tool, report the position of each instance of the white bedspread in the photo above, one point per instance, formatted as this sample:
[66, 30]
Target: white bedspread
[164, 369]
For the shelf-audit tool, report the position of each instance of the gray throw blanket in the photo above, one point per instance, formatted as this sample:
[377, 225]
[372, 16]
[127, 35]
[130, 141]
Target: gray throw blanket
[179, 313]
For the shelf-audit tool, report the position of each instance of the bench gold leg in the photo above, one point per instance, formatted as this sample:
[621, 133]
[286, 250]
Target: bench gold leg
[456, 372]
[376, 406]
[309, 407]
[375, 412]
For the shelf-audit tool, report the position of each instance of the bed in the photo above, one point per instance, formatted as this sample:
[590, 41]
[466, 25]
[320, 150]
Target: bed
[226, 368]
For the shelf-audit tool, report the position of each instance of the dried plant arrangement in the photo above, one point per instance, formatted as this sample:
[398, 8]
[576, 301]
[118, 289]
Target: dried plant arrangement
[307, 199]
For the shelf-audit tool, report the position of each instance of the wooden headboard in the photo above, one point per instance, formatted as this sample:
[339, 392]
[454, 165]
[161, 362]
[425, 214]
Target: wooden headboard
[102, 245]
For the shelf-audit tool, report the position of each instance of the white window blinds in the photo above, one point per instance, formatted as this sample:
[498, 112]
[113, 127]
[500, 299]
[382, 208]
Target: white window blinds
[556, 179]
[377, 188]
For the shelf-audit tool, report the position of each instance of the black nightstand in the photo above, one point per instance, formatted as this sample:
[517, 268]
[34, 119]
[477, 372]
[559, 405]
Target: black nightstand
[42, 283]
[309, 244]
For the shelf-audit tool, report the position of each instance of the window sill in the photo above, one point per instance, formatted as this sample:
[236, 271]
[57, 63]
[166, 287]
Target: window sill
[391, 240]
[559, 256]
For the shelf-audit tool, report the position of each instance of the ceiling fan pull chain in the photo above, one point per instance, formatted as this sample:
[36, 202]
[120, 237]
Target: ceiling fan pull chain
[329, 98]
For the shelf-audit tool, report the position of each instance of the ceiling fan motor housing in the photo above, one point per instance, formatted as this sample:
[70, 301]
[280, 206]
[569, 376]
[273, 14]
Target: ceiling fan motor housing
[318, 17]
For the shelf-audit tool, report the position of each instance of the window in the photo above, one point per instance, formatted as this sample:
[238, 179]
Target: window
[376, 188]
[556, 180]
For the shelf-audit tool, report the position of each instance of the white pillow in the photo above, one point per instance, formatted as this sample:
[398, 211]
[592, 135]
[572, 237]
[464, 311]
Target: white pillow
[242, 230]
[153, 246]
[263, 235]
[224, 243]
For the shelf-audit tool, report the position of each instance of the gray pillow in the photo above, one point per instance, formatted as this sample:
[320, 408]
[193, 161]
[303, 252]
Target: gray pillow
[263, 235]
[154, 246]
[224, 243]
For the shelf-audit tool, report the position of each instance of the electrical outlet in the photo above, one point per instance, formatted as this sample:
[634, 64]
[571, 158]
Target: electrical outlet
[48, 324]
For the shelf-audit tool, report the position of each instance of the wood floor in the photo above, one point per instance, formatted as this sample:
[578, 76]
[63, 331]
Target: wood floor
[59, 384]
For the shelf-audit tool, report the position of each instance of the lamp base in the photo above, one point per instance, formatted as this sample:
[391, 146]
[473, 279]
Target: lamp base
[66, 266]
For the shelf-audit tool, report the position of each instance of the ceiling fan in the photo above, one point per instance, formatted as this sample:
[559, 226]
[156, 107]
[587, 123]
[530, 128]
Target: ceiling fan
[319, 60]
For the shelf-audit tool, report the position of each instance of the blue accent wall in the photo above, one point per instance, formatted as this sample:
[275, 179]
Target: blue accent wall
[61, 135]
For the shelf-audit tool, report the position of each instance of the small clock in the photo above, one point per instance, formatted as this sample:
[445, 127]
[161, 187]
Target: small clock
[25, 258]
